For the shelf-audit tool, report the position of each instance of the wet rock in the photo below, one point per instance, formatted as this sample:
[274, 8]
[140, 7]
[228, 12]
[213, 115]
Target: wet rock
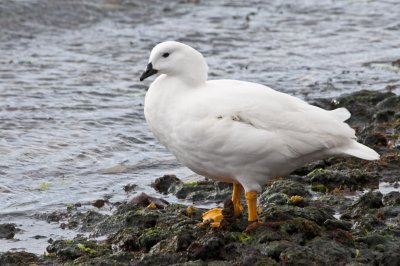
[127, 239]
[18, 258]
[251, 260]
[166, 184]
[318, 252]
[203, 191]
[39, 237]
[275, 248]
[302, 171]
[269, 234]
[194, 191]
[209, 247]
[78, 247]
[389, 104]
[391, 199]
[182, 242]
[374, 139]
[349, 178]
[274, 198]
[341, 236]
[391, 255]
[144, 200]
[284, 213]
[368, 222]
[160, 259]
[384, 116]
[130, 187]
[85, 221]
[99, 203]
[373, 239]
[55, 216]
[391, 211]
[141, 219]
[7, 230]
[335, 224]
[288, 187]
[330, 252]
[362, 104]
[368, 201]
[305, 229]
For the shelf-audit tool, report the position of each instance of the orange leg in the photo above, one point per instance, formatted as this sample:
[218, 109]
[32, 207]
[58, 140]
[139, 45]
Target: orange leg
[216, 214]
[251, 198]
[236, 195]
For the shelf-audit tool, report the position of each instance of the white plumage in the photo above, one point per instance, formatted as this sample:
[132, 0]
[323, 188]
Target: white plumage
[236, 131]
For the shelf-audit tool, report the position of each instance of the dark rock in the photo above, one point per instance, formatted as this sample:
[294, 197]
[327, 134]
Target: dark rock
[144, 200]
[302, 171]
[373, 240]
[298, 256]
[374, 139]
[127, 239]
[203, 191]
[275, 248]
[384, 116]
[54, 216]
[335, 224]
[229, 214]
[141, 219]
[166, 184]
[194, 191]
[391, 255]
[252, 259]
[182, 241]
[391, 199]
[370, 200]
[342, 236]
[18, 258]
[287, 187]
[305, 229]
[209, 247]
[391, 211]
[284, 213]
[389, 104]
[78, 247]
[368, 222]
[269, 235]
[86, 221]
[160, 259]
[130, 187]
[317, 252]
[331, 252]
[39, 237]
[350, 178]
[99, 203]
[7, 231]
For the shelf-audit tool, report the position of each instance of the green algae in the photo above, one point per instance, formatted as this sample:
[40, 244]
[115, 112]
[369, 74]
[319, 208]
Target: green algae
[86, 249]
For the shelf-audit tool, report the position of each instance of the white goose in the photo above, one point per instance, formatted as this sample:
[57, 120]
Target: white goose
[235, 131]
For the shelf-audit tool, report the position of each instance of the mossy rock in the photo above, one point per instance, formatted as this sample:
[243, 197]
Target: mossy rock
[18, 258]
[78, 247]
[287, 212]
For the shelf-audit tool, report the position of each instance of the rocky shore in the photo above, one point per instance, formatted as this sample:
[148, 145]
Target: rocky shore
[331, 212]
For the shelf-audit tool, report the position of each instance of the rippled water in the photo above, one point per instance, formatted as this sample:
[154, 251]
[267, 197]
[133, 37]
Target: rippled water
[71, 106]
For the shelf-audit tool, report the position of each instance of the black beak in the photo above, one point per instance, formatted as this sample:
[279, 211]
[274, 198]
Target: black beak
[148, 72]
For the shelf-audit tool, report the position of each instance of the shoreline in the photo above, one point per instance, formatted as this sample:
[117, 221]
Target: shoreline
[340, 218]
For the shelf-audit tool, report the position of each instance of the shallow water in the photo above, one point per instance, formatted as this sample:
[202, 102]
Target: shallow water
[71, 106]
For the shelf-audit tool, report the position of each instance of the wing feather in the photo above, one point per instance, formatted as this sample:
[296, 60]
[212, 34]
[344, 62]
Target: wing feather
[300, 127]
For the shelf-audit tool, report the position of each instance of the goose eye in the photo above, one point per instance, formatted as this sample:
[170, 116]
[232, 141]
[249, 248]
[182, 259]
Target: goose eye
[165, 55]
